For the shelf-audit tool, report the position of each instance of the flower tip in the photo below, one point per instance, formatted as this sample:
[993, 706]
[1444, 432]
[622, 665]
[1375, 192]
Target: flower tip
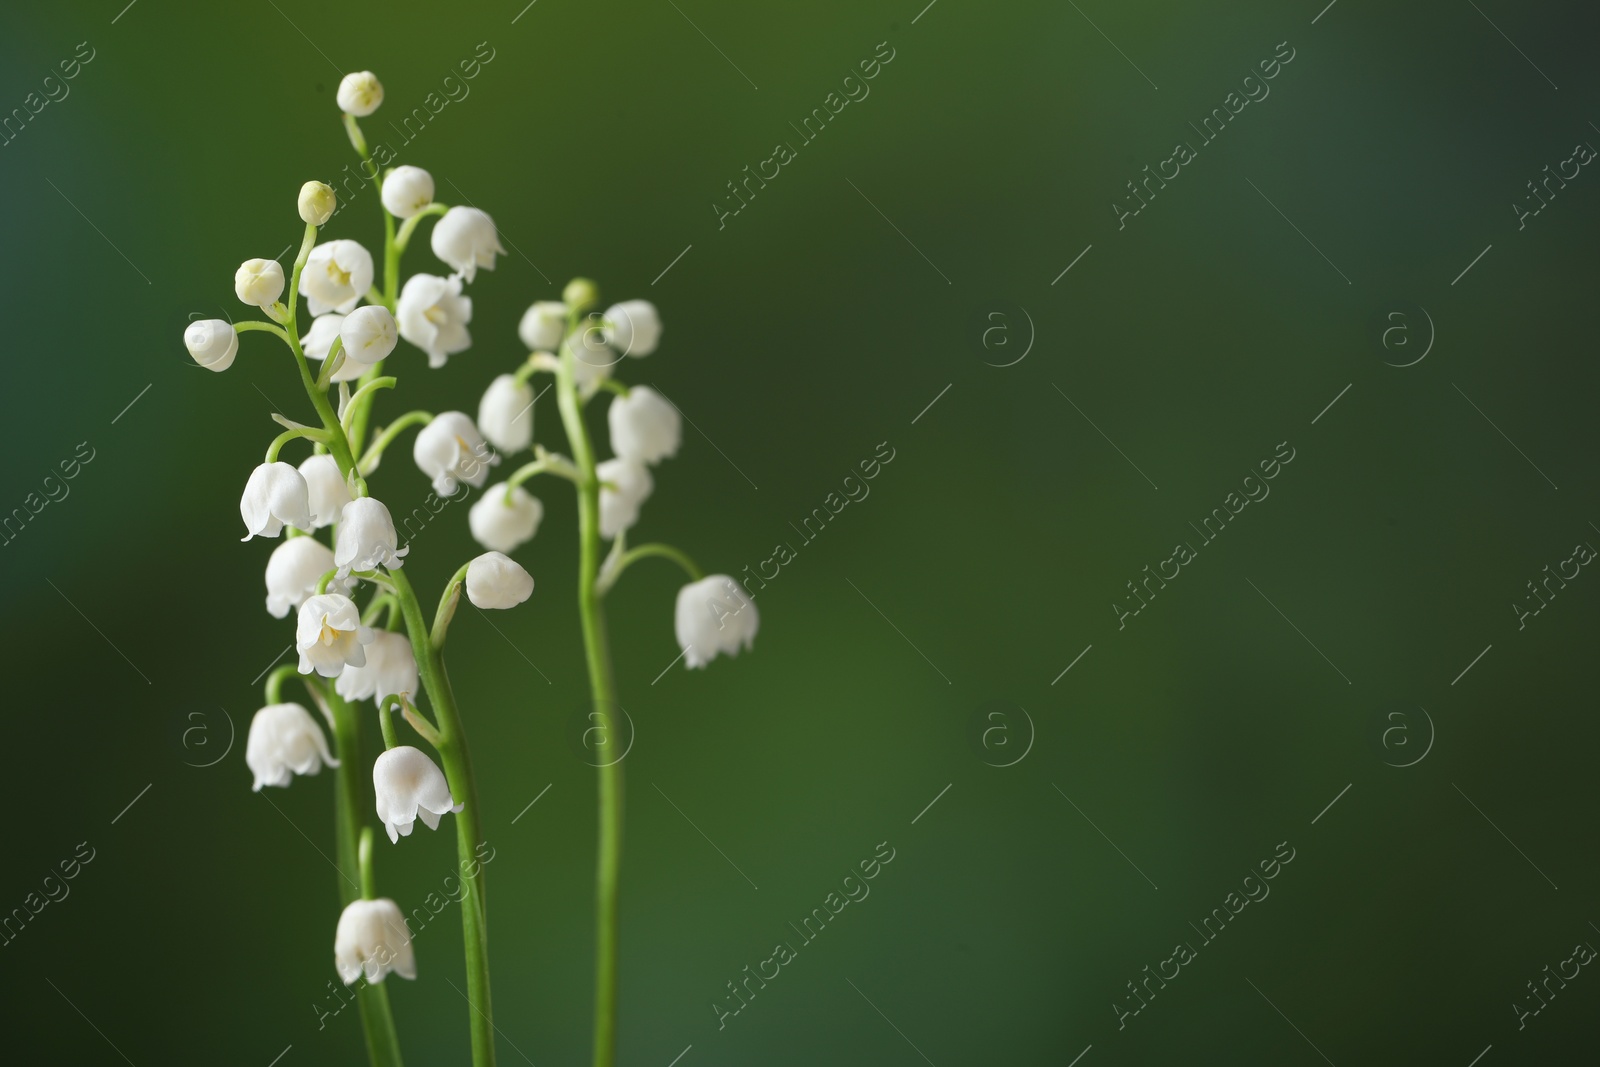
[360, 93]
[317, 203]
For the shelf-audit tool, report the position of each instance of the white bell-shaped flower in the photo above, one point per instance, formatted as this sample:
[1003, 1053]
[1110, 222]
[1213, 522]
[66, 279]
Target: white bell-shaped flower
[274, 496]
[317, 203]
[495, 580]
[502, 520]
[329, 635]
[406, 191]
[450, 449]
[369, 334]
[714, 615]
[543, 325]
[434, 316]
[390, 671]
[359, 93]
[326, 489]
[633, 327]
[644, 425]
[408, 784]
[212, 342]
[318, 341]
[505, 414]
[630, 485]
[372, 939]
[285, 741]
[366, 537]
[337, 274]
[593, 359]
[293, 571]
[258, 282]
[466, 239]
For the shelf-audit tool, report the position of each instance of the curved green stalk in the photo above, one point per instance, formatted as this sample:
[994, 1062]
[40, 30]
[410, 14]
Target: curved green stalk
[377, 1021]
[596, 645]
[452, 747]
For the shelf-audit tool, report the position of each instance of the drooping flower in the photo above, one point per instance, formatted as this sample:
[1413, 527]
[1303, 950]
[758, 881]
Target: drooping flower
[390, 671]
[503, 520]
[336, 275]
[360, 93]
[319, 340]
[543, 325]
[408, 784]
[317, 203]
[326, 489]
[406, 191]
[466, 239]
[434, 316]
[633, 327]
[450, 449]
[495, 580]
[212, 342]
[593, 359]
[505, 414]
[369, 334]
[372, 939]
[645, 426]
[293, 571]
[630, 485]
[285, 741]
[714, 615]
[330, 636]
[258, 282]
[274, 496]
[366, 537]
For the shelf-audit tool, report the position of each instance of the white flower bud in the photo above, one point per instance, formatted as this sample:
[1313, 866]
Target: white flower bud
[495, 580]
[408, 784]
[326, 490]
[284, 741]
[258, 282]
[406, 191]
[360, 93]
[466, 239]
[274, 496]
[633, 327]
[644, 425]
[329, 635]
[505, 414]
[593, 359]
[373, 939]
[337, 274]
[366, 538]
[317, 203]
[390, 671]
[619, 506]
[434, 316]
[369, 334]
[714, 615]
[503, 520]
[449, 449]
[293, 571]
[212, 342]
[581, 293]
[543, 325]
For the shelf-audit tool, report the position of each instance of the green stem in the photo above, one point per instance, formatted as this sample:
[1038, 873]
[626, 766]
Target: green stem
[386, 724]
[368, 387]
[269, 327]
[369, 881]
[275, 682]
[390, 432]
[409, 226]
[664, 551]
[596, 645]
[452, 746]
[377, 1021]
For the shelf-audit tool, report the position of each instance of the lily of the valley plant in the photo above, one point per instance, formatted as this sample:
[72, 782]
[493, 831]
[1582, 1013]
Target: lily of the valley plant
[360, 630]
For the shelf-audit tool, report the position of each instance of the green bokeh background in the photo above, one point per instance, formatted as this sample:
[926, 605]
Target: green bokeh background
[798, 338]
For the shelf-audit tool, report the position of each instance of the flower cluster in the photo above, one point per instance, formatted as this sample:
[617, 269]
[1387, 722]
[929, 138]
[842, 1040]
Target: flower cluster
[337, 542]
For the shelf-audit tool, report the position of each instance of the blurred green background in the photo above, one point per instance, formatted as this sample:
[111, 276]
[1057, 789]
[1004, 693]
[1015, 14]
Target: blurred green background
[815, 325]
